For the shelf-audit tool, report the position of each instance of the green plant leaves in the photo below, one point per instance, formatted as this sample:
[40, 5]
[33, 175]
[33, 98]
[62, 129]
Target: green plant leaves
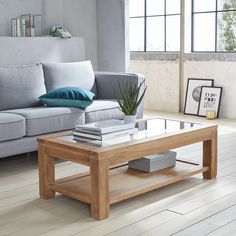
[130, 97]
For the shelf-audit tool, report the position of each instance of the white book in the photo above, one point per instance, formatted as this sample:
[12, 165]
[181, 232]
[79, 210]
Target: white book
[105, 143]
[107, 136]
[87, 131]
[106, 126]
[92, 141]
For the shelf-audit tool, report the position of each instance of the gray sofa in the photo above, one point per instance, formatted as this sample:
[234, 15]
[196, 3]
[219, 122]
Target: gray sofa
[23, 118]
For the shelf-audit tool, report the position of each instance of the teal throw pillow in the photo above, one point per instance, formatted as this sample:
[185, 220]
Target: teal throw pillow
[68, 97]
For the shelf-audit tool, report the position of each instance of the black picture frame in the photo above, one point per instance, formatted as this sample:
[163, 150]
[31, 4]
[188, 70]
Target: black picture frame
[193, 93]
[210, 101]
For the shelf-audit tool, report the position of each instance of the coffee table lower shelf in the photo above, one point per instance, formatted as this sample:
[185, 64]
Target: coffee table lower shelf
[125, 183]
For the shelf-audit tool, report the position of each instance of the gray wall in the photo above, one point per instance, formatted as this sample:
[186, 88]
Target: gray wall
[12, 8]
[111, 29]
[78, 16]
[100, 22]
[25, 50]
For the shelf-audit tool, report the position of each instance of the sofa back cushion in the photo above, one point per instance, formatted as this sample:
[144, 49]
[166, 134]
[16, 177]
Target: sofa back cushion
[74, 74]
[21, 86]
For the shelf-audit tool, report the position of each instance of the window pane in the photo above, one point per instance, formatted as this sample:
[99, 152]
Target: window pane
[204, 5]
[136, 34]
[226, 31]
[155, 33]
[204, 32]
[172, 6]
[226, 4]
[188, 26]
[155, 7]
[172, 33]
[136, 8]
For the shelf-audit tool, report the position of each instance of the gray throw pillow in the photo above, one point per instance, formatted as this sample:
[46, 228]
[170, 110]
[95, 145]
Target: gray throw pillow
[21, 86]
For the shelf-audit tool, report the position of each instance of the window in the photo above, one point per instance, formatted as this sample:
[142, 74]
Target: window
[213, 25]
[210, 25]
[154, 25]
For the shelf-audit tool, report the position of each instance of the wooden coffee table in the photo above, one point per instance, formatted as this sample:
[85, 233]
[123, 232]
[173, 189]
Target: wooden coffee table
[110, 180]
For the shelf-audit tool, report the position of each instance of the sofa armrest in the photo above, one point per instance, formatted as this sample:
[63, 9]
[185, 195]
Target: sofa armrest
[107, 83]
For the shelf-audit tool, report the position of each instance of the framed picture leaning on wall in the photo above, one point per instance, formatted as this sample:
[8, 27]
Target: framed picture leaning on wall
[193, 93]
[210, 100]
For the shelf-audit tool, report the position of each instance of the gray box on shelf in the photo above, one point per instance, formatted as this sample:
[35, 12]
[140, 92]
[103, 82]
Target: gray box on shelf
[154, 162]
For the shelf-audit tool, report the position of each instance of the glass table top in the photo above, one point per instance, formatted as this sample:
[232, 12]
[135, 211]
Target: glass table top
[145, 129]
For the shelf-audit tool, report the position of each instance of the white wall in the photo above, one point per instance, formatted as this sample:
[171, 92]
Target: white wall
[223, 73]
[78, 16]
[162, 82]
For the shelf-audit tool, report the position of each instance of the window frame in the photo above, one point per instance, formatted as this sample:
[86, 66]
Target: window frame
[216, 11]
[145, 16]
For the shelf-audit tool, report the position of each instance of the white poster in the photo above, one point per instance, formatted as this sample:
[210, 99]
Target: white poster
[210, 100]
[193, 93]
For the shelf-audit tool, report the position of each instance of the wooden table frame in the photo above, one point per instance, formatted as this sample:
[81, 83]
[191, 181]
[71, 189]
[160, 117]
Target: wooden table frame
[95, 189]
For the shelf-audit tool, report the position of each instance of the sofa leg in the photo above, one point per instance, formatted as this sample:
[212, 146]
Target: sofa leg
[28, 154]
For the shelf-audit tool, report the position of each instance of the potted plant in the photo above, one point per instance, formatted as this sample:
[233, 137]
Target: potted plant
[130, 97]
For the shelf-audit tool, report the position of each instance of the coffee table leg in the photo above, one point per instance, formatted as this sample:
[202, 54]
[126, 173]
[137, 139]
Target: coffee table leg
[100, 206]
[46, 173]
[210, 156]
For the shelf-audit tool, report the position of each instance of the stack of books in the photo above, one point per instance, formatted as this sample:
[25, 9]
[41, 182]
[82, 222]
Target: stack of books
[103, 131]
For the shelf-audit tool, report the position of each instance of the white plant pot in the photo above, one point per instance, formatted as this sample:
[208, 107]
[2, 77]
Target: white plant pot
[128, 119]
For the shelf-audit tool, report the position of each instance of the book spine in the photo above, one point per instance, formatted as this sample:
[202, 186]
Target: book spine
[13, 27]
[18, 34]
[23, 27]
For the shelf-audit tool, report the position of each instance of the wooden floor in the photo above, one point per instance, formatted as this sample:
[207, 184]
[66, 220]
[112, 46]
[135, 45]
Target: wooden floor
[191, 207]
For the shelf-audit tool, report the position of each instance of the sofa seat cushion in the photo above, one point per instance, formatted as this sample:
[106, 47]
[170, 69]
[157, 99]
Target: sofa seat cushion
[11, 126]
[21, 86]
[103, 110]
[41, 120]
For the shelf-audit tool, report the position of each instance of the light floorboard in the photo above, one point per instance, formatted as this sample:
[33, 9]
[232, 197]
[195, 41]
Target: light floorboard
[227, 230]
[224, 217]
[200, 229]
[145, 224]
[204, 199]
[193, 217]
